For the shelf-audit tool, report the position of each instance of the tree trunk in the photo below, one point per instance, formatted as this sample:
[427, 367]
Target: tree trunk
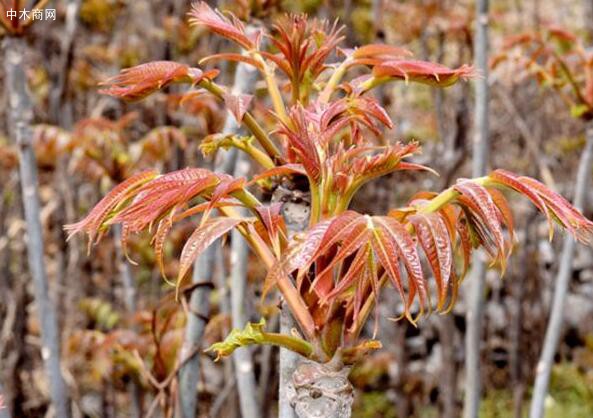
[480, 158]
[4, 412]
[129, 297]
[321, 390]
[544, 366]
[20, 117]
[248, 396]
[589, 19]
[288, 364]
[189, 374]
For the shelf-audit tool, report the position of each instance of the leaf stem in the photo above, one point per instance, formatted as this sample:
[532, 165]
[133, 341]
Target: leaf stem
[273, 89]
[248, 120]
[298, 345]
[291, 295]
[373, 82]
[333, 81]
[315, 203]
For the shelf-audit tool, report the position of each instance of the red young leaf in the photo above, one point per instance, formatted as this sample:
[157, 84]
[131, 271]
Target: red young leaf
[137, 82]
[200, 239]
[423, 72]
[282, 170]
[229, 56]
[230, 28]
[94, 221]
[273, 221]
[554, 206]
[479, 202]
[396, 233]
[381, 52]
[433, 234]
[159, 238]
[237, 105]
[157, 197]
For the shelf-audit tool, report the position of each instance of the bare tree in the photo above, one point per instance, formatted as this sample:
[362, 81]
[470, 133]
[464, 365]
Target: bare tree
[480, 158]
[242, 359]
[203, 273]
[554, 329]
[20, 118]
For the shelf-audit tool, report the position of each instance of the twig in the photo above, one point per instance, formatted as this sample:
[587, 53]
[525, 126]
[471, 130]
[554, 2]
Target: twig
[554, 329]
[21, 115]
[479, 166]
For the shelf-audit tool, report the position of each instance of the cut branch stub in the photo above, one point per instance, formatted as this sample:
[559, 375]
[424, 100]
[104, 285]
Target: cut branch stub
[321, 390]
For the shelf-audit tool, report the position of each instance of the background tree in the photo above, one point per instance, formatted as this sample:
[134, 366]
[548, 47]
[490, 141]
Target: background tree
[330, 275]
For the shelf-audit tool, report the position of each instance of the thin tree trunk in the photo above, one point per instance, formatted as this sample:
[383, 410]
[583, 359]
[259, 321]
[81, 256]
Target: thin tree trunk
[242, 359]
[4, 412]
[516, 325]
[589, 19]
[59, 114]
[20, 117]
[448, 381]
[288, 364]
[129, 287]
[189, 374]
[480, 158]
[553, 332]
[199, 305]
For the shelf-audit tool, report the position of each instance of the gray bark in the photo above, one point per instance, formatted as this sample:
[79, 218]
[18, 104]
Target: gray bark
[129, 288]
[554, 329]
[199, 305]
[248, 396]
[288, 364]
[321, 390]
[4, 412]
[295, 210]
[589, 19]
[20, 118]
[479, 166]
[189, 374]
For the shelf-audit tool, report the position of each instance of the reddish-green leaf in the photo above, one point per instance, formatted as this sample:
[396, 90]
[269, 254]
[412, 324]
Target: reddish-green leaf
[200, 239]
[423, 72]
[237, 105]
[93, 222]
[137, 82]
[230, 28]
[434, 238]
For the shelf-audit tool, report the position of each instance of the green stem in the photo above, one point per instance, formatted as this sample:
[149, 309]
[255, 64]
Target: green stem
[373, 82]
[249, 200]
[255, 153]
[334, 80]
[289, 342]
[248, 120]
[273, 89]
[315, 203]
[449, 195]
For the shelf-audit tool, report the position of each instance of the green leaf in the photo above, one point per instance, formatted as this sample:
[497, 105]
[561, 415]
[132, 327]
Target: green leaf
[576, 111]
[253, 333]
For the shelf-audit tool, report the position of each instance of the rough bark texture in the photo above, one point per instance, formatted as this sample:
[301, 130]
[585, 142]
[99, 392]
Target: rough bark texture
[203, 272]
[321, 390]
[479, 166]
[295, 210]
[20, 117]
[554, 329]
